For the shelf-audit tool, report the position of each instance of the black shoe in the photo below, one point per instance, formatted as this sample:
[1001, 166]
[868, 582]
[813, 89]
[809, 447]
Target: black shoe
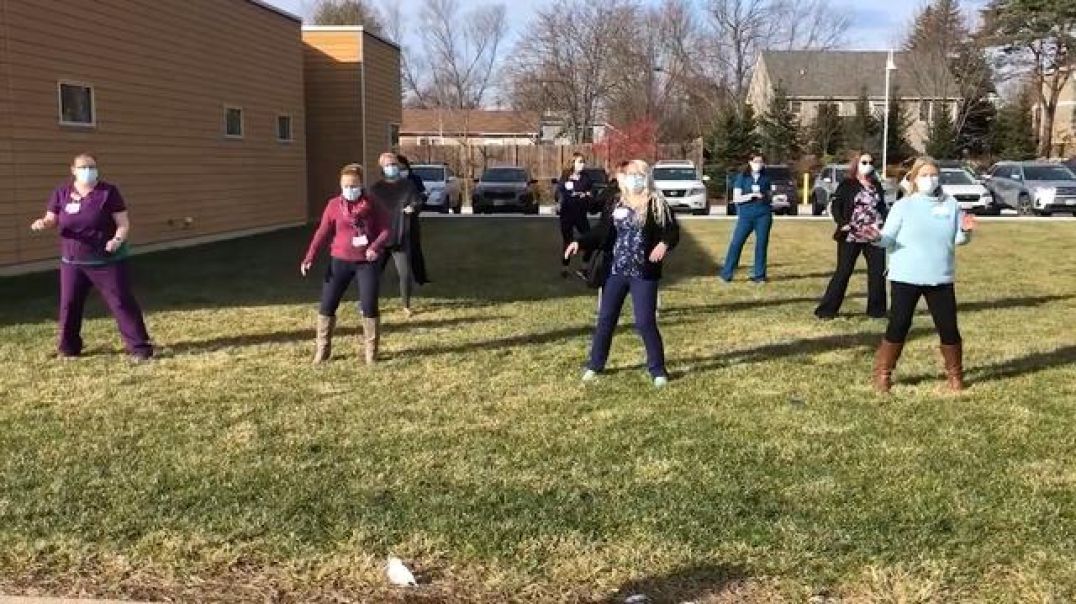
[825, 317]
[563, 273]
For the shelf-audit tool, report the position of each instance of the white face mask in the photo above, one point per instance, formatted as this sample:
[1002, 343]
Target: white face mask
[756, 167]
[352, 193]
[86, 175]
[636, 183]
[866, 169]
[927, 185]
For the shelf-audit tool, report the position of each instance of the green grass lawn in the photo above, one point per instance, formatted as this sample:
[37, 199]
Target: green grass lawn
[230, 469]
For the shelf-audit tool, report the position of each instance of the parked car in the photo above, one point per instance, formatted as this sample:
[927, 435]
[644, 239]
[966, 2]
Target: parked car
[1034, 187]
[825, 185]
[680, 185]
[505, 189]
[968, 191]
[443, 193]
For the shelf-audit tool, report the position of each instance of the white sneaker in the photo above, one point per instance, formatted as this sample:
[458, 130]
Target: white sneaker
[661, 382]
[590, 376]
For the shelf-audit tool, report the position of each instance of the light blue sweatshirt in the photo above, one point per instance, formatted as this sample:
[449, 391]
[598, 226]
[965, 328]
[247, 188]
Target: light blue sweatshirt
[921, 234]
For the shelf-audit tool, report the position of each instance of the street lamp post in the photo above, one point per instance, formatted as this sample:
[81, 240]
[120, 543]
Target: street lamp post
[890, 66]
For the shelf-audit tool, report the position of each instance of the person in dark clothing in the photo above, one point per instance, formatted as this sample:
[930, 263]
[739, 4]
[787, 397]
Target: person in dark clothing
[418, 259]
[752, 192]
[397, 197]
[636, 232]
[574, 192]
[858, 203]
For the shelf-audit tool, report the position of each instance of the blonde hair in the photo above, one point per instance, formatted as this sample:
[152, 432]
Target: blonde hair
[354, 170]
[84, 156]
[647, 202]
[917, 167]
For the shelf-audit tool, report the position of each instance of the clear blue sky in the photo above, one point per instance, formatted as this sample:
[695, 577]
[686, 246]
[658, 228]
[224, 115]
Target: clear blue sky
[879, 25]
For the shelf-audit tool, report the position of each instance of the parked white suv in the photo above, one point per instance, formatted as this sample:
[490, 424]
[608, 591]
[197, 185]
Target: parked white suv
[679, 183]
[442, 187]
[968, 191]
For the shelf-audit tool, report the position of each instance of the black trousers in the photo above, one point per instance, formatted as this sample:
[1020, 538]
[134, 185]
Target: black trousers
[847, 254]
[572, 219]
[339, 277]
[941, 301]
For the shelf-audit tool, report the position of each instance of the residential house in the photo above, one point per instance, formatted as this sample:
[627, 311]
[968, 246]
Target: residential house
[477, 127]
[811, 78]
[1064, 130]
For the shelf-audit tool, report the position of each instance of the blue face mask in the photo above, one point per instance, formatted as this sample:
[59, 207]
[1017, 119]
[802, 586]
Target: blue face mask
[391, 171]
[351, 193]
[86, 176]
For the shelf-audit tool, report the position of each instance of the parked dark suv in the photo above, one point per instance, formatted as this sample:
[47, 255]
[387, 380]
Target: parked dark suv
[505, 189]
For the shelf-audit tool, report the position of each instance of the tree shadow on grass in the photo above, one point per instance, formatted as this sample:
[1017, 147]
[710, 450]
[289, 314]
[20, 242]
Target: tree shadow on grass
[699, 582]
[299, 335]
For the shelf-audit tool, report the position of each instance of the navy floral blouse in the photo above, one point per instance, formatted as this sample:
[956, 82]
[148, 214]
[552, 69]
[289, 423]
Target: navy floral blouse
[629, 252]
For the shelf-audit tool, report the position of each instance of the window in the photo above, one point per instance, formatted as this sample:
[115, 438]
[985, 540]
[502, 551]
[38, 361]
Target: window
[76, 104]
[796, 107]
[233, 122]
[924, 111]
[283, 129]
[394, 136]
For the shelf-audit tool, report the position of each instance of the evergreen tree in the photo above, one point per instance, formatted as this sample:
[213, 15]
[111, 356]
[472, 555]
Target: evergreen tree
[778, 130]
[734, 138]
[941, 143]
[863, 130]
[1014, 134]
[826, 130]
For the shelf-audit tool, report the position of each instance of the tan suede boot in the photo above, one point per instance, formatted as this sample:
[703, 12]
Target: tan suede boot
[953, 358]
[885, 360]
[323, 342]
[371, 339]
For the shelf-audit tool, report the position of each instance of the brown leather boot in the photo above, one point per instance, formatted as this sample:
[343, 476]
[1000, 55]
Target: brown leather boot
[371, 339]
[953, 357]
[323, 342]
[885, 360]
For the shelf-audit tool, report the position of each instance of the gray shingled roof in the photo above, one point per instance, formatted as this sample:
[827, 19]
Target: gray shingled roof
[843, 73]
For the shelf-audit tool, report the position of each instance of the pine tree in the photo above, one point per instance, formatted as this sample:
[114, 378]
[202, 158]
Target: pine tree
[1014, 134]
[734, 138]
[898, 148]
[863, 130]
[779, 132]
[826, 130]
[941, 143]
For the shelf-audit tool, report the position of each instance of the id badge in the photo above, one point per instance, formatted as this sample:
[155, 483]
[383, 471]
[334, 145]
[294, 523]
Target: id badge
[756, 188]
[569, 185]
[359, 241]
[941, 212]
[73, 207]
[620, 213]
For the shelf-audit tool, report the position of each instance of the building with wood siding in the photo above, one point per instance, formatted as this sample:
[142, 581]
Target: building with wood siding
[354, 104]
[196, 109]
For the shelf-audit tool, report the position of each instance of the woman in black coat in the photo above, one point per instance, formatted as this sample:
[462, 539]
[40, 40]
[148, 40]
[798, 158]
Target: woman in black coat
[859, 202]
[635, 233]
[418, 260]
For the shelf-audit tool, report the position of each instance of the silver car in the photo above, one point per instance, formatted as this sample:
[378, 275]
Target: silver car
[442, 187]
[1034, 187]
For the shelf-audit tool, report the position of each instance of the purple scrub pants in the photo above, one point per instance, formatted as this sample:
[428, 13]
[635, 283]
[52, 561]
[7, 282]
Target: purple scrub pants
[113, 283]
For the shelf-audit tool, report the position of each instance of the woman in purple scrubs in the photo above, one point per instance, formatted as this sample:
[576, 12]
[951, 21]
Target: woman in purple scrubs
[92, 218]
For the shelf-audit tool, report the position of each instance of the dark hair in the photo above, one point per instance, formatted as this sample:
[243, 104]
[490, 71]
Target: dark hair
[86, 155]
[402, 159]
[758, 154]
[853, 165]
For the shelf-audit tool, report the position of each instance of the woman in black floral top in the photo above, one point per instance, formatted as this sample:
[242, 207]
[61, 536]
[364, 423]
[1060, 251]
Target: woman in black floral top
[638, 229]
[857, 204]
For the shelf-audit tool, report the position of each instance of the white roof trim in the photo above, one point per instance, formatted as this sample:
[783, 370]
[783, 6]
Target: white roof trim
[355, 29]
[277, 10]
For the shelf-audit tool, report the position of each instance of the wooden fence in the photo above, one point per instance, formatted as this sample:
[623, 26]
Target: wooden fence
[545, 162]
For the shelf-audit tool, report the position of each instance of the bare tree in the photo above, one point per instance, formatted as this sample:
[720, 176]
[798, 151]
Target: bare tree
[460, 52]
[808, 24]
[567, 61]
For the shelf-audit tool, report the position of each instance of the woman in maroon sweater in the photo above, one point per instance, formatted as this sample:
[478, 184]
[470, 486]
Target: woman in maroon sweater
[357, 232]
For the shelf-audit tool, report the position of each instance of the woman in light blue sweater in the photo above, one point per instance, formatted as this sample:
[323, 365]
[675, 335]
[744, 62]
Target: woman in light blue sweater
[921, 235]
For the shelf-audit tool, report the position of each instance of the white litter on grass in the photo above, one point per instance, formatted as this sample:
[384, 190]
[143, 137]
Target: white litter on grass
[637, 599]
[398, 573]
